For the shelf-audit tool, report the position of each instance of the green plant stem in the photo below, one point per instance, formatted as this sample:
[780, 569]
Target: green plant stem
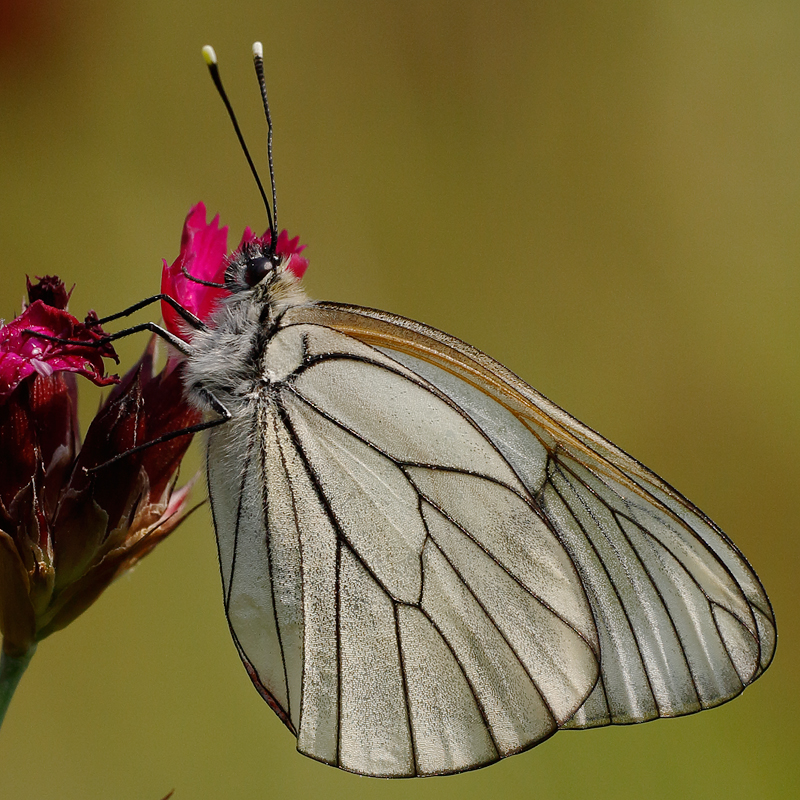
[11, 669]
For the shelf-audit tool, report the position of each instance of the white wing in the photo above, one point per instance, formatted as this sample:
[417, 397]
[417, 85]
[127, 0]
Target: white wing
[426, 584]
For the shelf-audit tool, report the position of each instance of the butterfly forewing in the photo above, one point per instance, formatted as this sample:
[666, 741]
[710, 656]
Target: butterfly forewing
[683, 622]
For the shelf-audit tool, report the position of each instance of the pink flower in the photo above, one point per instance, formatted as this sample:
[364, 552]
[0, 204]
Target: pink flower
[204, 255]
[65, 531]
[23, 354]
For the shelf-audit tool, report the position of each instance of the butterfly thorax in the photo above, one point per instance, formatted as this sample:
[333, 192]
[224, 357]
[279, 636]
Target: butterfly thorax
[226, 357]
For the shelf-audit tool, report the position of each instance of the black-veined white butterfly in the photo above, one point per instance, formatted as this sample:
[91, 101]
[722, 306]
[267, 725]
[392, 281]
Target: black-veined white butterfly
[427, 565]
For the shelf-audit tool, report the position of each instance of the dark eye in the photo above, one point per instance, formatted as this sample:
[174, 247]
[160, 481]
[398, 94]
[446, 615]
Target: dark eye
[256, 269]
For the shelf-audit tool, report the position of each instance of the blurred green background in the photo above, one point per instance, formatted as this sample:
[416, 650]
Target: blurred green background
[605, 197]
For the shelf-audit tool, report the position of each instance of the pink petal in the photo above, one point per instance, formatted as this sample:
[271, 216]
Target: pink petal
[203, 251]
[22, 354]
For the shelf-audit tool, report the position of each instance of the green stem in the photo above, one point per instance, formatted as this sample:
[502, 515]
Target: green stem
[11, 669]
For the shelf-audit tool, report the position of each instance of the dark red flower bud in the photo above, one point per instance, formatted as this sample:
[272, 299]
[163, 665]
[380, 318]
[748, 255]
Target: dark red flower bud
[50, 290]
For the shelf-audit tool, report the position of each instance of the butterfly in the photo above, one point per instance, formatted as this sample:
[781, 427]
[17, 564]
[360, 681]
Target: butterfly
[428, 566]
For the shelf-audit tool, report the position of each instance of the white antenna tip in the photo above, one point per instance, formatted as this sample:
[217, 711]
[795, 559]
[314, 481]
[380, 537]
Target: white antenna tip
[209, 56]
[258, 50]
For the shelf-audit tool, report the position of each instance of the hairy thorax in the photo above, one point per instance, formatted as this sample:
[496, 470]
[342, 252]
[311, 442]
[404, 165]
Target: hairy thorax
[226, 358]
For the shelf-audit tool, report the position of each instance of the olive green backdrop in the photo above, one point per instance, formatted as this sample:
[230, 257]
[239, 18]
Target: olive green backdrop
[605, 197]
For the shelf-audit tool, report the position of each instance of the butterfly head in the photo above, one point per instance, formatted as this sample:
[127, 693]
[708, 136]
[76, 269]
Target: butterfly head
[257, 264]
[253, 264]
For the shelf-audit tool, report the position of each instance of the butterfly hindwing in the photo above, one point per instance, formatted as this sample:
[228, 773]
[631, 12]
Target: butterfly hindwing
[426, 634]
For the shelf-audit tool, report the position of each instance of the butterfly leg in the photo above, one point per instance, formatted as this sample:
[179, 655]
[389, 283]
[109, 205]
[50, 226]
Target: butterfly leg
[175, 341]
[212, 400]
[187, 315]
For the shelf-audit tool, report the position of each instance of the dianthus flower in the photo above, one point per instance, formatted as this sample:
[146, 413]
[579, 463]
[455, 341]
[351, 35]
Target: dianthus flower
[67, 530]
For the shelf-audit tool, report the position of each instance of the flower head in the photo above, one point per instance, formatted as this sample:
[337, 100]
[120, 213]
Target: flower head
[204, 255]
[23, 354]
[66, 530]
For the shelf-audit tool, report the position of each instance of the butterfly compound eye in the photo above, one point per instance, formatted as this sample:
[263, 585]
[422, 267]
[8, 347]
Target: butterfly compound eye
[256, 269]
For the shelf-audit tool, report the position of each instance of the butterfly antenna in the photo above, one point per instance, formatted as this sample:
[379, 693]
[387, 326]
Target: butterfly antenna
[258, 60]
[210, 57]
